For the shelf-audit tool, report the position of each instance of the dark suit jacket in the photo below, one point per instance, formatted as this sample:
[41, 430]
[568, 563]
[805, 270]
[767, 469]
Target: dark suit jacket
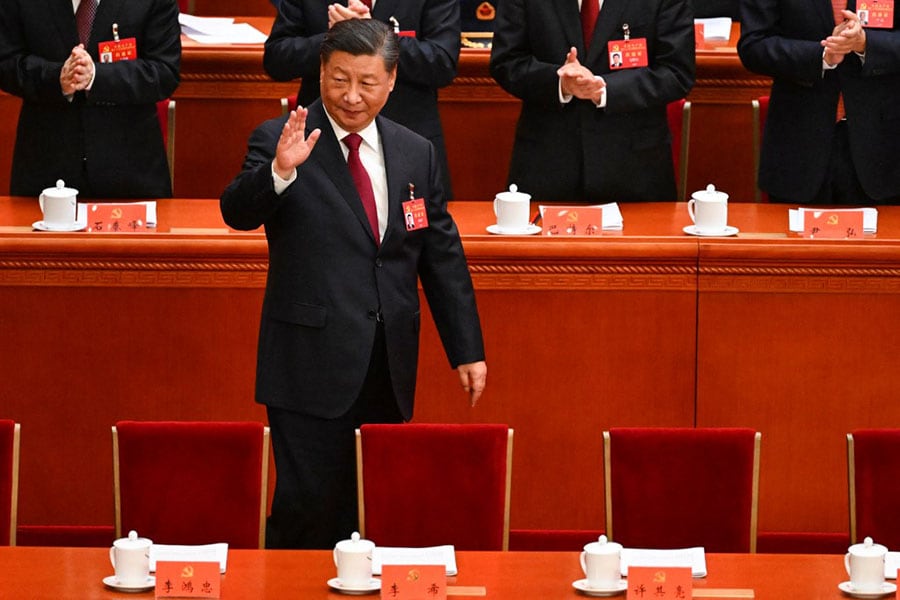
[108, 142]
[576, 151]
[780, 39]
[427, 61]
[327, 279]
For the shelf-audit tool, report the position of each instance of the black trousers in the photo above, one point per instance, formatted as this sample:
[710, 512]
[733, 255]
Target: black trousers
[315, 504]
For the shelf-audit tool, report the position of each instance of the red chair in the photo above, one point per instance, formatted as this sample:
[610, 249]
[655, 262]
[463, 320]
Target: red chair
[9, 481]
[186, 6]
[760, 110]
[429, 484]
[165, 112]
[874, 485]
[679, 115]
[192, 482]
[288, 104]
[682, 487]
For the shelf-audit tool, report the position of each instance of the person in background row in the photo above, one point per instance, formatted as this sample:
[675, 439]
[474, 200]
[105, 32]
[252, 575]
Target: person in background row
[832, 133]
[89, 75]
[333, 184]
[429, 51]
[590, 131]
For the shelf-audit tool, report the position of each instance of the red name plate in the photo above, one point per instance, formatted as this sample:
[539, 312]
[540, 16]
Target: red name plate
[672, 583]
[175, 579]
[414, 582]
[573, 220]
[116, 217]
[833, 224]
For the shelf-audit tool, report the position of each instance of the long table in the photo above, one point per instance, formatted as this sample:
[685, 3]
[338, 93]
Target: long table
[68, 573]
[644, 327]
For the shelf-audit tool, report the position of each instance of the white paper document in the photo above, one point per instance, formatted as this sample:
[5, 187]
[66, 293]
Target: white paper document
[695, 558]
[219, 30]
[891, 564]
[205, 553]
[432, 555]
[795, 217]
[716, 28]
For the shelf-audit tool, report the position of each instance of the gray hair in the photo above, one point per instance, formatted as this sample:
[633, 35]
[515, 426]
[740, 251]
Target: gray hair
[362, 37]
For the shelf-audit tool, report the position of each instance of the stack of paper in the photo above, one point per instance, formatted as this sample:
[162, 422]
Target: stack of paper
[716, 28]
[219, 30]
[205, 553]
[433, 555]
[796, 216]
[695, 558]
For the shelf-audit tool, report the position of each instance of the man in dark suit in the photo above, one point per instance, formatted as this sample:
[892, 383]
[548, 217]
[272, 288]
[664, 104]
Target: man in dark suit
[814, 57]
[91, 123]
[339, 335]
[588, 133]
[429, 51]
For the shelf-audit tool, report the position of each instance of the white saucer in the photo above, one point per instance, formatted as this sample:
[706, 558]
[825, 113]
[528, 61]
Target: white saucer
[582, 586]
[373, 586]
[76, 226]
[112, 582]
[886, 588]
[531, 229]
[729, 230]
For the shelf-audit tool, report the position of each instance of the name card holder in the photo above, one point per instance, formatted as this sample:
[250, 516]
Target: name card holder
[116, 217]
[833, 224]
[672, 583]
[573, 220]
[180, 579]
[413, 582]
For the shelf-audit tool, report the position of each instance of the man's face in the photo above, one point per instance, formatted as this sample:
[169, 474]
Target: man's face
[355, 88]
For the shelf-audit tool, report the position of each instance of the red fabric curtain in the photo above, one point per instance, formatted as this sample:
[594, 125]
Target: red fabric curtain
[7, 433]
[432, 484]
[677, 488]
[191, 482]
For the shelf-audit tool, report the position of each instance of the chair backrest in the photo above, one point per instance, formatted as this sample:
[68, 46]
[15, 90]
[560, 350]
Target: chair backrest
[682, 487]
[679, 115]
[192, 482]
[433, 484]
[288, 104]
[165, 112]
[873, 464]
[760, 110]
[9, 481]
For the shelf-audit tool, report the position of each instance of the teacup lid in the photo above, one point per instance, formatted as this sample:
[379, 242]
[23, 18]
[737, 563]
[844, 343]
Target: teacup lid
[355, 544]
[710, 194]
[60, 191]
[602, 546]
[132, 541]
[868, 548]
[514, 194]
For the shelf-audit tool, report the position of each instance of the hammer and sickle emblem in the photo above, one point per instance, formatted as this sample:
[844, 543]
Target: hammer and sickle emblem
[832, 219]
[659, 577]
[116, 213]
[187, 572]
[572, 216]
[413, 575]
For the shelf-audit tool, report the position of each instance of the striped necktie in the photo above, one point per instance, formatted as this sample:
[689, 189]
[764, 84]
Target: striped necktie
[84, 19]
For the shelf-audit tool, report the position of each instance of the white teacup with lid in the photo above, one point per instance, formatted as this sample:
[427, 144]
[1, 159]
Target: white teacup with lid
[353, 559]
[130, 557]
[59, 205]
[709, 210]
[601, 561]
[865, 566]
[512, 209]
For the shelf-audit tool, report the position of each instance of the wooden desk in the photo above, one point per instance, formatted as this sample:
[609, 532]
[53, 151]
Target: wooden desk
[645, 327]
[68, 573]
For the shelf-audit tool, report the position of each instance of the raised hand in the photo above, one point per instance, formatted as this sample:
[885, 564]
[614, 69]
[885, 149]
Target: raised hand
[294, 147]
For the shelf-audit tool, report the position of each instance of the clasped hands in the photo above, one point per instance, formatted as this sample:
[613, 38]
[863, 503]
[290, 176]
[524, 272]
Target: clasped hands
[848, 36]
[77, 72]
[355, 9]
[577, 80]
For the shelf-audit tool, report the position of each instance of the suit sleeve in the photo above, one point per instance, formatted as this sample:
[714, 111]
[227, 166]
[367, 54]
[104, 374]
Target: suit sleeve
[154, 75]
[24, 73]
[671, 67]
[764, 47]
[292, 49]
[250, 199]
[446, 281]
[430, 58]
[882, 52]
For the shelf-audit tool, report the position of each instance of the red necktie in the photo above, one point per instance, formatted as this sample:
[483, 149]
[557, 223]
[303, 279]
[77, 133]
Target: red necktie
[363, 183]
[590, 9]
[84, 19]
[368, 3]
